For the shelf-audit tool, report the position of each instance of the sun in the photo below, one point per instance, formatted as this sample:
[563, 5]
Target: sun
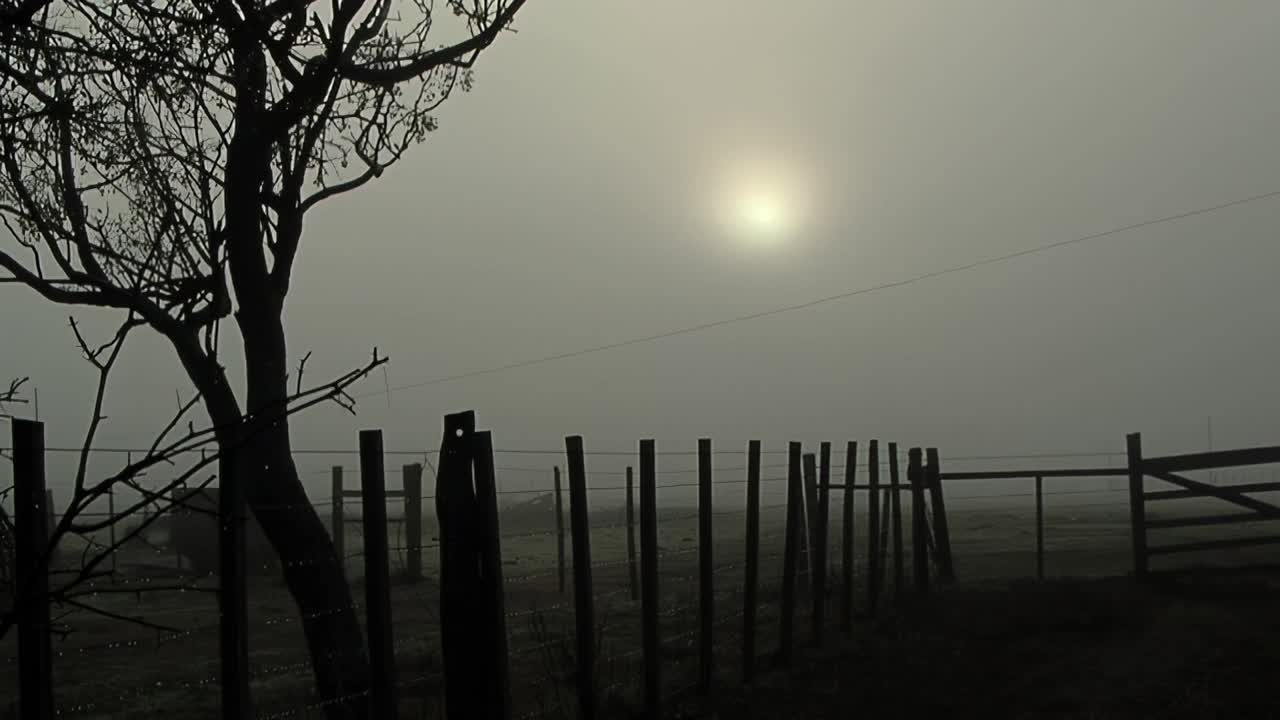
[761, 206]
[763, 213]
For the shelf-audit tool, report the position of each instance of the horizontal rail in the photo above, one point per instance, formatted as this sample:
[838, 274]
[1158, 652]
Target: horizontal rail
[1222, 493]
[1207, 520]
[1213, 460]
[1214, 545]
[1029, 474]
[358, 493]
[1252, 567]
[1179, 494]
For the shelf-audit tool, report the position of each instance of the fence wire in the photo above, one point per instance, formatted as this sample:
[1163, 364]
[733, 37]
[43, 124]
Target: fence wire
[155, 582]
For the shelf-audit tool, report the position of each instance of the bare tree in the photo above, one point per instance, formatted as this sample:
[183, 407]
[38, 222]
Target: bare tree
[73, 583]
[160, 157]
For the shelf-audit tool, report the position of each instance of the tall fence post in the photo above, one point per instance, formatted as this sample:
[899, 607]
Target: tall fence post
[412, 475]
[649, 580]
[815, 570]
[1039, 528]
[793, 532]
[583, 605]
[846, 530]
[111, 530]
[752, 571]
[338, 517]
[895, 500]
[873, 530]
[31, 527]
[498, 670]
[462, 616]
[919, 543]
[810, 478]
[51, 522]
[822, 544]
[706, 569]
[631, 536]
[377, 575]
[559, 529]
[180, 504]
[941, 531]
[233, 595]
[1137, 508]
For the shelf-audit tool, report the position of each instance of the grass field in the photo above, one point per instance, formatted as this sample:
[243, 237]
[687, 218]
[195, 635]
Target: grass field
[1197, 647]
[108, 669]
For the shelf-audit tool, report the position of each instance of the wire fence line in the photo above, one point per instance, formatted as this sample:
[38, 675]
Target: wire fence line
[534, 591]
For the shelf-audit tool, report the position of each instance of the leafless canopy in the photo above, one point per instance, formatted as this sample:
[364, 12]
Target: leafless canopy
[129, 126]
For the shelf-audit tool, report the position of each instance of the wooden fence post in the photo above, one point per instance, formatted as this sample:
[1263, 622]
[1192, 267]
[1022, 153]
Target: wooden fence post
[584, 607]
[1137, 508]
[233, 595]
[815, 570]
[810, 509]
[498, 671]
[559, 530]
[846, 529]
[31, 527]
[180, 503]
[822, 543]
[895, 500]
[338, 519]
[111, 530]
[377, 575]
[706, 569]
[631, 536]
[1039, 528]
[649, 580]
[794, 531]
[51, 522]
[462, 598]
[753, 563]
[919, 545]
[412, 475]
[941, 531]
[873, 532]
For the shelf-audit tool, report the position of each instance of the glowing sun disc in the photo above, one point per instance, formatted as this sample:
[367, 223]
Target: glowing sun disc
[762, 205]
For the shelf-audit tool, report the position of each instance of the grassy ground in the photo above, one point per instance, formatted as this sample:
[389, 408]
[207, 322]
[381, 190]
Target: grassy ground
[1198, 647]
[1085, 646]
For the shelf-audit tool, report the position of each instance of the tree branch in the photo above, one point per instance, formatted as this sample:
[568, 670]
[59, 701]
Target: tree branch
[461, 54]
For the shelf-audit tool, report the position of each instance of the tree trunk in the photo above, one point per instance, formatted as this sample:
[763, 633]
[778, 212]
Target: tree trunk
[312, 572]
[274, 493]
[312, 569]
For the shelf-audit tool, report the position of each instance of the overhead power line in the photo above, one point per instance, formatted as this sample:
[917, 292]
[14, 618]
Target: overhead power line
[829, 298]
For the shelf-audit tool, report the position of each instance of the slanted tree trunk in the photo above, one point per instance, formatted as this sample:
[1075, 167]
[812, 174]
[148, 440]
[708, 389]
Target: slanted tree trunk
[312, 569]
[274, 493]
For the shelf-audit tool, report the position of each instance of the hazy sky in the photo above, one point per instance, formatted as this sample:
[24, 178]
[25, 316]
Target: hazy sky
[578, 196]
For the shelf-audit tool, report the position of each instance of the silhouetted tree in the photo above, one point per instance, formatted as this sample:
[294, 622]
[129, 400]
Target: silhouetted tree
[77, 555]
[160, 157]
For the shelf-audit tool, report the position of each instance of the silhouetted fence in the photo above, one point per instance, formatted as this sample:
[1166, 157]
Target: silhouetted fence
[730, 600]
[1173, 470]
[704, 596]
[1039, 476]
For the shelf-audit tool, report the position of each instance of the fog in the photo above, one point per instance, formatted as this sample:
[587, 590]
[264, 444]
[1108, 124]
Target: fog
[584, 194]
